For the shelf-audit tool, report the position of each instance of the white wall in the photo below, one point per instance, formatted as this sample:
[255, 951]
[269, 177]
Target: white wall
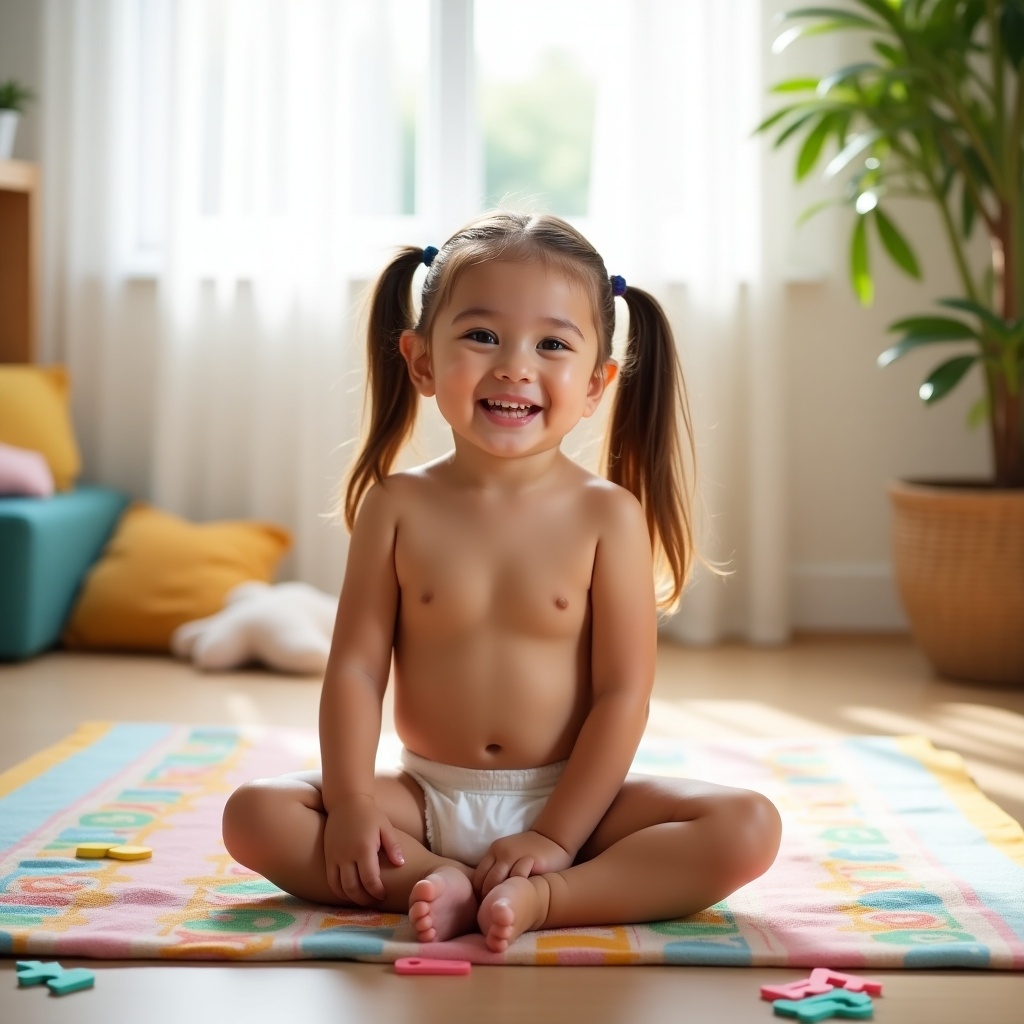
[851, 427]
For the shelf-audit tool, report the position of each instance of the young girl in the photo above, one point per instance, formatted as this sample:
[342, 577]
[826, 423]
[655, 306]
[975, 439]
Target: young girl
[514, 594]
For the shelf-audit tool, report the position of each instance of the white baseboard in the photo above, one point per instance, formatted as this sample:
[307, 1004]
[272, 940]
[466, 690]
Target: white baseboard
[846, 597]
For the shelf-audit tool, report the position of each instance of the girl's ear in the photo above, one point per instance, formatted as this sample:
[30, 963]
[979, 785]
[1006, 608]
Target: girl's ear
[416, 353]
[601, 379]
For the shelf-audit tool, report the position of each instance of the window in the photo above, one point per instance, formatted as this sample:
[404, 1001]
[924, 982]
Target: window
[537, 88]
[446, 107]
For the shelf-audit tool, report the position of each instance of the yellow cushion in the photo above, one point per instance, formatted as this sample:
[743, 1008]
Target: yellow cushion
[159, 571]
[34, 415]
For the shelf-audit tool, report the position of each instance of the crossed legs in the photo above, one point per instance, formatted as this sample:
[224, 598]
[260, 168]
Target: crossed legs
[666, 848]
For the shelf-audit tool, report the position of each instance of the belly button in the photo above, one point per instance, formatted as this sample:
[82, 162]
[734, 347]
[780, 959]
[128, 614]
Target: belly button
[493, 748]
[562, 602]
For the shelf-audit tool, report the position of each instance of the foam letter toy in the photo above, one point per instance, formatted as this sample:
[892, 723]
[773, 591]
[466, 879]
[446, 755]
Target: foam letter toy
[850, 982]
[821, 981]
[837, 1003]
[420, 965]
[35, 972]
[130, 852]
[796, 989]
[93, 851]
[73, 980]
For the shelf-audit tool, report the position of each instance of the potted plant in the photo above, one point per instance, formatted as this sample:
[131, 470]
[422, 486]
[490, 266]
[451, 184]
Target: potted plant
[935, 111]
[14, 97]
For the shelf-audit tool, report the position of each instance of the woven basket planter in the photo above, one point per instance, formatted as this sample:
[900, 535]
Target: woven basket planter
[958, 554]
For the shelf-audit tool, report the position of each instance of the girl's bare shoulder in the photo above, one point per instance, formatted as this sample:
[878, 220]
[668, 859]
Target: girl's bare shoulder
[611, 506]
[406, 485]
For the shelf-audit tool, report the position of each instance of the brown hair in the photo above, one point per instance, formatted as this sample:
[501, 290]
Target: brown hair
[649, 433]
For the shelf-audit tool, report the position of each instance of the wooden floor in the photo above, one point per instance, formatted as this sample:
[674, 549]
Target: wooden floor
[814, 687]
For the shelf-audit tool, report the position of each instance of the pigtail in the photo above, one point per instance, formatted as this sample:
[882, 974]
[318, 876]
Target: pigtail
[393, 400]
[645, 453]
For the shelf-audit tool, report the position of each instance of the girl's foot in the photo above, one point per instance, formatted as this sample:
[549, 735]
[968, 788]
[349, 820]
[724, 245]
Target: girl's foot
[442, 905]
[515, 906]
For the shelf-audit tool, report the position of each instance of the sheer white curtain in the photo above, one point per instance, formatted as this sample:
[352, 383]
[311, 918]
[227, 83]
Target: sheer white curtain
[258, 372]
[208, 247]
[227, 387]
[679, 196]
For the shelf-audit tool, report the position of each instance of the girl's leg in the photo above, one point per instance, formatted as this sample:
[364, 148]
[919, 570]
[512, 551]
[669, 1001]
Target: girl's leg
[276, 828]
[666, 848]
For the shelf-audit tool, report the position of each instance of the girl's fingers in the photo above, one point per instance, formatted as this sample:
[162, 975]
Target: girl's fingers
[392, 847]
[498, 873]
[522, 867]
[334, 881]
[355, 891]
[481, 873]
[369, 876]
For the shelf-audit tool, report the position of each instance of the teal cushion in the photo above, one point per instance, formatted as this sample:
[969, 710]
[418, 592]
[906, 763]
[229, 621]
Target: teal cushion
[46, 547]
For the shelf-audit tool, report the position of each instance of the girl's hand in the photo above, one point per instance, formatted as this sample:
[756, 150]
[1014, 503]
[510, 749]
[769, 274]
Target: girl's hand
[522, 855]
[355, 832]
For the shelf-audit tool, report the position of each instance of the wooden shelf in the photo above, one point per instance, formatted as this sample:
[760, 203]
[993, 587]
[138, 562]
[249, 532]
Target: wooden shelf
[19, 260]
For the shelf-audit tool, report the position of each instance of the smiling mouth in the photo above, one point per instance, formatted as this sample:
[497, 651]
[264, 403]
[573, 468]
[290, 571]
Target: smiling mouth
[509, 410]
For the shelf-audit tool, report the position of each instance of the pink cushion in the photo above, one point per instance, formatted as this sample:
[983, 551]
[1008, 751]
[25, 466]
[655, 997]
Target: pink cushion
[24, 472]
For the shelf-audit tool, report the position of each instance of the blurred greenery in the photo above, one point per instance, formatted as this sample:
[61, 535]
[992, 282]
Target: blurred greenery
[537, 139]
[537, 136]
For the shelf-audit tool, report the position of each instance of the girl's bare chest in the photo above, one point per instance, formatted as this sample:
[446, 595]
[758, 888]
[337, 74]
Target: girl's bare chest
[532, 577]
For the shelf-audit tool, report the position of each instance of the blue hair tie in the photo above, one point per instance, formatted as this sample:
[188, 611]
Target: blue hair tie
[428, 255]
[618, 285]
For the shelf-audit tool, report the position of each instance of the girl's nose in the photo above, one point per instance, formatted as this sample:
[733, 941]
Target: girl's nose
[514, 365]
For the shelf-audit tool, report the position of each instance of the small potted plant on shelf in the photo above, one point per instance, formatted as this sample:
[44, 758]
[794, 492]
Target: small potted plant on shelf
[14, 98]
[935, 111]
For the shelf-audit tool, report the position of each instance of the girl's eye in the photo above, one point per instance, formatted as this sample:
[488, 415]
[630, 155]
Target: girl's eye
[483, 337]
[554, 345]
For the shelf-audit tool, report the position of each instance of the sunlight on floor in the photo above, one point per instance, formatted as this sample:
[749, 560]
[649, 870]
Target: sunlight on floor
[944, 728]
[243, 709]
[992, 725]
[718, 719]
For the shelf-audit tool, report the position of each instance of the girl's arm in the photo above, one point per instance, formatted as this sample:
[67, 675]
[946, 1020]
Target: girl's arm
[623, 654]
[350, 706]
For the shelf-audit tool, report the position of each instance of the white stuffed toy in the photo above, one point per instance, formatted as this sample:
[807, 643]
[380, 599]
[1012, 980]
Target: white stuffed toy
[286, 626]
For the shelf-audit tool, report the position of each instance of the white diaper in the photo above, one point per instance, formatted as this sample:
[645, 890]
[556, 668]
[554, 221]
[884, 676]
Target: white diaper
[468, 808]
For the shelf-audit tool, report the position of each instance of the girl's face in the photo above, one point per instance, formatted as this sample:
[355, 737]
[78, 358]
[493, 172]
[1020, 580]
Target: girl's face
[512, 359]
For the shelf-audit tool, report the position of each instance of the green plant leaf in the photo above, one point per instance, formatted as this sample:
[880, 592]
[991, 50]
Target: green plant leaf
[795, 126]
[888, 10]
[1011, 26]
[815, 208]
[945, 377]
[14, 96]
[860, 268]
[833, 14]
[774, 118]
[810, 151]
[856, 145]
[939, 328]
[840, 21]
[888, 51]
[837, 77]
[979, 412]
[926, 330]
[795, 85]
[905, 345]
[996, 322]
[896, 245]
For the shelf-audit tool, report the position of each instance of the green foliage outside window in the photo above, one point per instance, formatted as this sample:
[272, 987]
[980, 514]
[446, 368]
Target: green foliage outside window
[537, 137]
